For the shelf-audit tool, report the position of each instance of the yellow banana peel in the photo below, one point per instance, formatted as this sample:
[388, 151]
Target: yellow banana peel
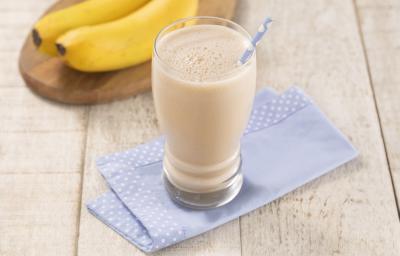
[124, 42]
[91, 12]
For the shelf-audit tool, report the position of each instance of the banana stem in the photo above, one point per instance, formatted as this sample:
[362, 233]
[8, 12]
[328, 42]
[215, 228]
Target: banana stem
[61, 49]
[37, 40]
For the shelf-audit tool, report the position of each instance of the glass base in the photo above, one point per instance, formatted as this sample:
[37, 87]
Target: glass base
[208, 200]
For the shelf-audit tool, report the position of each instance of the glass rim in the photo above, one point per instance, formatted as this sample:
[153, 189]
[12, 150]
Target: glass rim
[236, 26]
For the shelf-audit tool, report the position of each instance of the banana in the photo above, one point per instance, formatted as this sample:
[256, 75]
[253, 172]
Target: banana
[90, 12]
[124, 42]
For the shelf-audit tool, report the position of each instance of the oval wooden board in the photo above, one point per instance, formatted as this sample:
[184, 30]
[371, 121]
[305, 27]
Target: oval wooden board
[50, 78]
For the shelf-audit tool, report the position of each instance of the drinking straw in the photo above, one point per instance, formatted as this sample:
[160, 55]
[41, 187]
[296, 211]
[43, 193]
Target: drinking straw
[255, 40]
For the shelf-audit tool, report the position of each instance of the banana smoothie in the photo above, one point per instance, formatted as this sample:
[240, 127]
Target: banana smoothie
[203, 99]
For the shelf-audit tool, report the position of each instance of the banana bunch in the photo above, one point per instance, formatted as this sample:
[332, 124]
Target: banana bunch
[104, 35]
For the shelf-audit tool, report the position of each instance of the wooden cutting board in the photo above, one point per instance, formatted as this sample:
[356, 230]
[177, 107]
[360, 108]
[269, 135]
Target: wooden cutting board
[50, 78]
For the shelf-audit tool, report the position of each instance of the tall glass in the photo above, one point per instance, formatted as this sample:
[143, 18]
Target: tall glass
[203, 118]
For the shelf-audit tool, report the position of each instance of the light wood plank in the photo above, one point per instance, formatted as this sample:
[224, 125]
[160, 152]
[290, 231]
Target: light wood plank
[9, 73]
[379, 21]
[119, 126]
[39, 136]
[23, 111]
[16, 20]
[41, 146]
[38, 214]
[350, 211]
[41, 152]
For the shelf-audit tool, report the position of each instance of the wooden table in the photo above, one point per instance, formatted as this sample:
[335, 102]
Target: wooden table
[345, 54]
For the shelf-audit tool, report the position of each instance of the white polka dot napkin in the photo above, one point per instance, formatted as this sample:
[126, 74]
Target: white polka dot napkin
[288, 142]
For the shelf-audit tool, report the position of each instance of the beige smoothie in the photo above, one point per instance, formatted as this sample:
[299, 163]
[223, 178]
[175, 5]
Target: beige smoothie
[203, 99]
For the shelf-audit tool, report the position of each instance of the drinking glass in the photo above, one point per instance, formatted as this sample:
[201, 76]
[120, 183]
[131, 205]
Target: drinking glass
[202, 121]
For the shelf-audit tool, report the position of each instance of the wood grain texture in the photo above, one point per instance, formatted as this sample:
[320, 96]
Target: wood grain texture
[122, 125]
[41, 147]
[52, 79]
[38, 214]
[351, 210]
[37, 136]
[379, 21]
[16, 20]
[23, 111]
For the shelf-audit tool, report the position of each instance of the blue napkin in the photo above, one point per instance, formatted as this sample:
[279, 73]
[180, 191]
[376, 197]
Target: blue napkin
[288, 142]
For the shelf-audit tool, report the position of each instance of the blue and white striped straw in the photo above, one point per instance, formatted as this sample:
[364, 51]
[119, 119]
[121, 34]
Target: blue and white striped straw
[255, 40]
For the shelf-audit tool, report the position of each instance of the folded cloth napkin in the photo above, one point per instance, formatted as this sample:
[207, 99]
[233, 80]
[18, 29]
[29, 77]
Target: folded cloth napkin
[288, 142]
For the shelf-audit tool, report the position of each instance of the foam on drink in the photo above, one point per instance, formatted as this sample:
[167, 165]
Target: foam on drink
[202, 53]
